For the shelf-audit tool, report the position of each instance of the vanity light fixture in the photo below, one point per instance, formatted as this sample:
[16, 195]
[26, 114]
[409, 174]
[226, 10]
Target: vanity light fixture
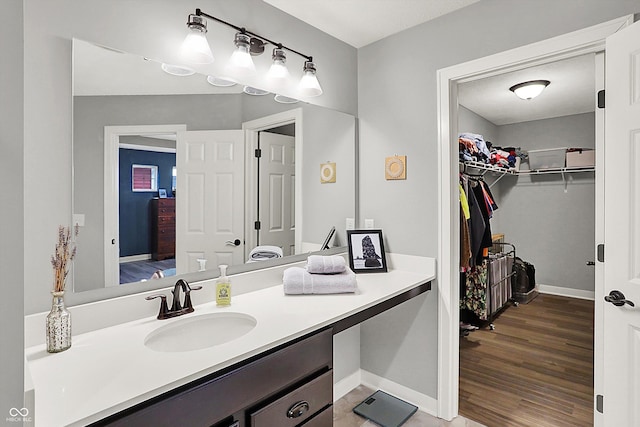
[278, 70]
[309, 85]
[217, 81]
[177, 70]
[241, 60]
[254, 91]
[196, 49]
[529, 90]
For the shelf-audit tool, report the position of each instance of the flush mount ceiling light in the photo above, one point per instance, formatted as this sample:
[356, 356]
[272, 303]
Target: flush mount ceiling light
[196, 49]
[530, 89]
[177, 70]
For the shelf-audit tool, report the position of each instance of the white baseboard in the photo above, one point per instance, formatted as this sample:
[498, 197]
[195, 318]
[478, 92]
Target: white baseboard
[566, 292]
[132, 258]
[426, 403]
[347, 384]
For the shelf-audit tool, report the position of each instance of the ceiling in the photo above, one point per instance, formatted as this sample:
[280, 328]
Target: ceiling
[361, 22]
[571, 91]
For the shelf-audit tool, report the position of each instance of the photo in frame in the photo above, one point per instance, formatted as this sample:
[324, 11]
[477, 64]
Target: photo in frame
[366, 251]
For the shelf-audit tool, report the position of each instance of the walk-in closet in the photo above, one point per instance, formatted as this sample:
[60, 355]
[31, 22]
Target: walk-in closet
[527, 169]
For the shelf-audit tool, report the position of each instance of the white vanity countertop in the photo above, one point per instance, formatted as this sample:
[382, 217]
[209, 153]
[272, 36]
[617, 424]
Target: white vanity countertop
[108, 370]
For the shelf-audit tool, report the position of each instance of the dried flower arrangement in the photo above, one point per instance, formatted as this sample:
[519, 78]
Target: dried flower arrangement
[64, 254]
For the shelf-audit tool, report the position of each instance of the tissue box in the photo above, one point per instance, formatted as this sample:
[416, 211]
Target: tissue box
[581, 158]
[547, 159]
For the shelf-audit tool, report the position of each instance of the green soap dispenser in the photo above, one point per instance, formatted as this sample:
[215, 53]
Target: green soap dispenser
[223, 288]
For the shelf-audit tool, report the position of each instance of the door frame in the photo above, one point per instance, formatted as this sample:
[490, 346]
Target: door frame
[111, 227]
[588, 40]
[252, 128]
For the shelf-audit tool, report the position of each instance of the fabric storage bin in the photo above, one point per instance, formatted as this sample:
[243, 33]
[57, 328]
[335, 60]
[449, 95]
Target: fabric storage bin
[548, 158]
[581, 158]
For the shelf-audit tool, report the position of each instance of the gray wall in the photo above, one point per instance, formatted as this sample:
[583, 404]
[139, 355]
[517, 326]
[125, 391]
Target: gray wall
[400, 117]
[12, 255]
[154, 28]
[551, 228]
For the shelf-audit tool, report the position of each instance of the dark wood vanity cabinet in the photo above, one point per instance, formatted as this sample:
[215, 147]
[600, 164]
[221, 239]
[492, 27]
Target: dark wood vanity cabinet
[291, 385]
[163, 228]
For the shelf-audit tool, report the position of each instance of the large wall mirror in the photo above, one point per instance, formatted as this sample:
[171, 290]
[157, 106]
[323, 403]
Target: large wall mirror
[174, 176]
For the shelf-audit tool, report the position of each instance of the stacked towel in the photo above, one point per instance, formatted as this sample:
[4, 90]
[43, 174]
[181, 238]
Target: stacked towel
[298, 280]
[317, 264]
[261, 253]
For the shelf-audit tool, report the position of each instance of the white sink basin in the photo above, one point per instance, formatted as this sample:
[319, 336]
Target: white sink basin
[200, 331]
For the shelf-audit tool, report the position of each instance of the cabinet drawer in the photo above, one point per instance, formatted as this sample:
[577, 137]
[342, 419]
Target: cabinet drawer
[323, 419]
[166, 232]
[296, 406]
[167, 220]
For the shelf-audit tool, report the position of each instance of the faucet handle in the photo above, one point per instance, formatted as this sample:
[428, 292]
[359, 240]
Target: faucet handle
[188, 306]
[164, 309]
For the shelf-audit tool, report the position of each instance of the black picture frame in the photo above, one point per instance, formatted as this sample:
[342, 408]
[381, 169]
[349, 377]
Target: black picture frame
[366, 251]
[162, 193]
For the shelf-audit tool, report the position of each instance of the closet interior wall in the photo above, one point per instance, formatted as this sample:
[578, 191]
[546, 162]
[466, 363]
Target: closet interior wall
[552, 226]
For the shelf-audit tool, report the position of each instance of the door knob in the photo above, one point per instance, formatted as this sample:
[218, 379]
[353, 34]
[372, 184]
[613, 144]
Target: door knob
[591, 263]
[617, 298]
[233, 242]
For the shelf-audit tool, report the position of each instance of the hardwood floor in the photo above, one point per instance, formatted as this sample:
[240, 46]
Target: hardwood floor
[136, 271]
[534, 369]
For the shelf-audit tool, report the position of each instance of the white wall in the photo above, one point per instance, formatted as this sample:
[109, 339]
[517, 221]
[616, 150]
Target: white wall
[400, 117]
[155, 29]
[12, 255]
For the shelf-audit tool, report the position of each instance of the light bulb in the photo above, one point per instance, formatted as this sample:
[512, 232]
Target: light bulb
[309, 85]
[195, 47]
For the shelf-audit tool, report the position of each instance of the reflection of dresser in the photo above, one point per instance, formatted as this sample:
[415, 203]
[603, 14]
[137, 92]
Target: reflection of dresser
[163, 228]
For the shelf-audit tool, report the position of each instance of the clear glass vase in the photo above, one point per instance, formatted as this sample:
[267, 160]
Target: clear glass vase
[58, 325]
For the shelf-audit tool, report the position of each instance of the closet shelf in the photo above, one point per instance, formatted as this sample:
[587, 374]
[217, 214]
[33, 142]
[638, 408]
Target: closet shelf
[504, 171]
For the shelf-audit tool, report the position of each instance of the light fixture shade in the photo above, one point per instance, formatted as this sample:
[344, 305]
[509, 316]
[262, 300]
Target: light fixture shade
[195, 47]
[177, 70]
[284, 99]
[278, 70]
[241, 60]
[219, 82]
[250, 90]
[529, 90]
[309, 85]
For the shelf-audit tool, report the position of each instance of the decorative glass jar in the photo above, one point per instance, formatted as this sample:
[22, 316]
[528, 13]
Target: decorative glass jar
[58, 325]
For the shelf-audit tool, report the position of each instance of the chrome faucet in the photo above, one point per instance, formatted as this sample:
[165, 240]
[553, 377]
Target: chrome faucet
[177, 308]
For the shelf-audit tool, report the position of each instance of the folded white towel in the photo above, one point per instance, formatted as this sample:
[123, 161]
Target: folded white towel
[297, 280]
[318, 264]
[263, 252]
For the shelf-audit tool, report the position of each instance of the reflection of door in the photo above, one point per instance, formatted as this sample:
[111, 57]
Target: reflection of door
[209, 199]
[276, 202]
[622, 229]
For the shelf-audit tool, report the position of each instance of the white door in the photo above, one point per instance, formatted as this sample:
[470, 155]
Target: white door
[276, 202]
[209, 199]
[621, 370]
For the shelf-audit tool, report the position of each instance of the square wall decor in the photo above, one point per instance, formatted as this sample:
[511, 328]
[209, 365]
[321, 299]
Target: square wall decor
[327, 173]
[395, 167]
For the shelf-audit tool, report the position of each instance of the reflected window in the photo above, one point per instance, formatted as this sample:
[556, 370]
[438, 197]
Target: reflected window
[173, 180]
[144, 178]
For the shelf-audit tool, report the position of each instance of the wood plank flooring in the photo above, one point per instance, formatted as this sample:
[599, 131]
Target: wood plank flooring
[136, 271]
[534, 369]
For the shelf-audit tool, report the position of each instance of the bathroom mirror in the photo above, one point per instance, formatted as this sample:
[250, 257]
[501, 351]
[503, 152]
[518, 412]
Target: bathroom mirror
[135, 129]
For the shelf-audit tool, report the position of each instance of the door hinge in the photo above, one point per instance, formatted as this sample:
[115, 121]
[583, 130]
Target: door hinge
[258, 153]
[599, 403]
[256, 225]
[601, 98]
[601, 252]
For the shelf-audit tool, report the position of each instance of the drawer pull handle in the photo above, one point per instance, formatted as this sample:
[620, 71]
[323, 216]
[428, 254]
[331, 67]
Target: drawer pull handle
[298, 409]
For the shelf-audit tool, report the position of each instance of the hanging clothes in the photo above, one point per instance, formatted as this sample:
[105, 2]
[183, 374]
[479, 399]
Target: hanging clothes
[474, 297]
[465, 236]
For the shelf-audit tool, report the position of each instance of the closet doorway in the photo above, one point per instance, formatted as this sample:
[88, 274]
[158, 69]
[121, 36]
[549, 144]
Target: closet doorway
[540, 354]
[588, 40]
